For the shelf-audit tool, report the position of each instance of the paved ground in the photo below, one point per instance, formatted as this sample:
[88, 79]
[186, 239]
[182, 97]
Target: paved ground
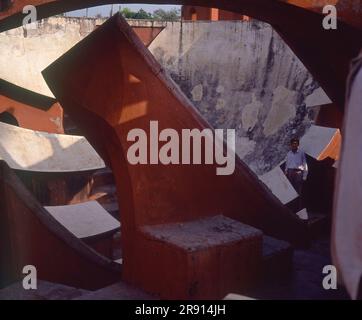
[306, 279]
[45, 291]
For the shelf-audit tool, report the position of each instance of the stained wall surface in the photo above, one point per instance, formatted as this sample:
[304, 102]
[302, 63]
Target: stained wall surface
[238, 74]
[241, 75]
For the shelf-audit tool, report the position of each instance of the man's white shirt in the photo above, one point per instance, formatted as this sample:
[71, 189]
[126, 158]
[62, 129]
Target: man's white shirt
[297, 160]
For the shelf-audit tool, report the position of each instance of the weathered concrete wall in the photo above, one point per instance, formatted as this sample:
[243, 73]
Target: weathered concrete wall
[25, 52]
[241, 75]
[30, 150]
[238, 74]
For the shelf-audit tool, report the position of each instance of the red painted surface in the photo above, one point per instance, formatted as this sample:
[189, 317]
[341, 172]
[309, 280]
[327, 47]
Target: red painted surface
[203, 13]
[195, 13]
[30, 118]
[228, 15]
[31, 110]
[210, 273]
[125, 89]
[330, 116]
[150, 199]
[214, 14]
[30, 236]
[147, 34]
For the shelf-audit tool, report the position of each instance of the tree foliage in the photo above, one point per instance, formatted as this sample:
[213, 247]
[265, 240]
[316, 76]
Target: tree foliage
[159, 15]
[170, 15]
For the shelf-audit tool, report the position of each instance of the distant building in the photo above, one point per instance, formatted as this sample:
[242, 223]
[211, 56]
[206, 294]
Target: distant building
[195, 13]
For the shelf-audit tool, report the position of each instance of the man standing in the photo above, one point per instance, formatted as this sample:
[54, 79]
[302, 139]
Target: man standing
[296, 168]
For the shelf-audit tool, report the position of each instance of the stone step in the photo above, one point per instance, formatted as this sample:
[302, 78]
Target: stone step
[201, 259]
[90, 222]
[233, 296]
[45, 291]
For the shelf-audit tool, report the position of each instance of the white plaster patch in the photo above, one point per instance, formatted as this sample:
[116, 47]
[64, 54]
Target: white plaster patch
[244, 146]
[220, 104]
[57, 121]
[220, 89]
[282, 110]
[249, 116]
[197, 93]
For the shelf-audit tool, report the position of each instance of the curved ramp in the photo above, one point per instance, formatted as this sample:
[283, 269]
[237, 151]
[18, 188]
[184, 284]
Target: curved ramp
[127, 89]
[29, 235]
[85, 220]
[29, 150]
[32, 110]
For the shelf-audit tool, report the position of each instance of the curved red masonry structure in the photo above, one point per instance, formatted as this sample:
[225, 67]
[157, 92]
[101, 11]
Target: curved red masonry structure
[110, 84]
[29, 235]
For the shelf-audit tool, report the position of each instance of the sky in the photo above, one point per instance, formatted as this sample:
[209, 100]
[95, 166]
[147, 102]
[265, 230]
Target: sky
[105, 10]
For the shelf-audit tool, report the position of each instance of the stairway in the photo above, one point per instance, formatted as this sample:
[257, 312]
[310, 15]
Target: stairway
[104, 191]
[277, 264]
